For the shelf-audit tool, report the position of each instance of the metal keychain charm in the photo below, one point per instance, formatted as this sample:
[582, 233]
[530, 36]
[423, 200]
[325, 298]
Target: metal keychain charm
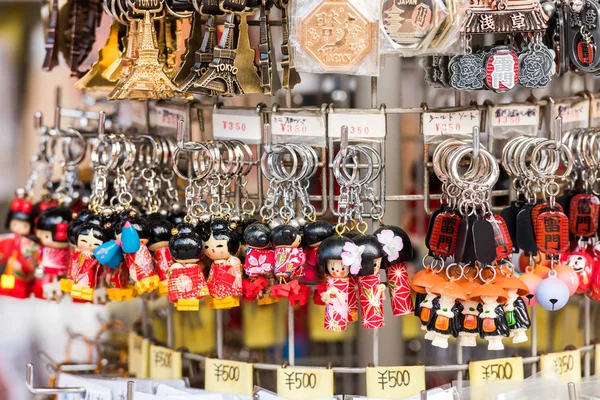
[536, 66]
[408, 23]
[501, 69]
[584, 35]
[466, 72]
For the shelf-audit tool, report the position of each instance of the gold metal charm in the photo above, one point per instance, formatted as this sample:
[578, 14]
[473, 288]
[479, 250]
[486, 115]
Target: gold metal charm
[336, 35]
[93, 80]
[244, 58]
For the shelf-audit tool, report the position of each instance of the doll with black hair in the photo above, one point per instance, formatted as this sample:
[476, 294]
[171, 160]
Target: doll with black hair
[289, 256]
[259, 264]
[114, 273]
[18, 253]
[84, 267]
[158, 244]
[137, 256]
[314, 234]
[365, 260]
[51, 229]
[331, 263]
[186, 283]
[220, 245]
[397, 249]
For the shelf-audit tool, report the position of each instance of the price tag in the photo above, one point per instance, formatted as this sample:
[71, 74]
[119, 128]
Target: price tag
[228, 376]
[566, 364]
[595, 109]
[137, 357]
[369, 126]
[304, 383]
[169, 117]
[164, 363]
[239, 124]
[132, 113]
[298, 125]
[577, 113]
[514, 115]
[500, 369]
[450, 123]
[395, 382]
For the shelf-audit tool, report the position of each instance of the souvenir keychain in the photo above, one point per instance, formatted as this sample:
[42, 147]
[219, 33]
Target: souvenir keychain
[259, 264]
[470, 309]
[445, 319]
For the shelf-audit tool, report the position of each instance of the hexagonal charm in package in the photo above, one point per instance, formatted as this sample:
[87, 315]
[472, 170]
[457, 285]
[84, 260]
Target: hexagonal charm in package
[336, 36]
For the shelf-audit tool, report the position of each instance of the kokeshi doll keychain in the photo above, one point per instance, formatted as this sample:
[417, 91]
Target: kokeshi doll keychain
[259, 264]
[158, 244]
[314, 233]
[371, 292]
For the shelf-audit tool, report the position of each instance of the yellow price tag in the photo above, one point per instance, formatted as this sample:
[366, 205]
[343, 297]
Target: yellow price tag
[565, 364]
[137, 356]
[164, 363]
[499, 369]
[304, 383]
[395, 382]
[228, 377]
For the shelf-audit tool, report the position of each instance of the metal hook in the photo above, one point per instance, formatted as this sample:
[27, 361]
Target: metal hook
[267, 138]
[558, 132]
[101, 122]
[37, 120]
[344, 140]
[476, 142]
[46, 390]
[572, 392]
[130, 390]
[423, 395]
[181, 132]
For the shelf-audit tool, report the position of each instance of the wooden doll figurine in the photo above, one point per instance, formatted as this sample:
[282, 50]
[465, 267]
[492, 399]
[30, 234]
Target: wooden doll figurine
[492, 323]
[425, 301]
[77, 220]
[517, 316]
[259, 263]
[158, 244]
[469, 312]
[225, 278]
[289, 257]
[445, 321]
[17, 252]
[335, 296]
[187, 285]
[314, 234]
[51, 230]
[364, 257]
[397, 249]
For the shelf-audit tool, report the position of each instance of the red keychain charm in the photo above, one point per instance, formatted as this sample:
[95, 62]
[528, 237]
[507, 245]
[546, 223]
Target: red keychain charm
[504, 245]
[444, 234]
[584, 210]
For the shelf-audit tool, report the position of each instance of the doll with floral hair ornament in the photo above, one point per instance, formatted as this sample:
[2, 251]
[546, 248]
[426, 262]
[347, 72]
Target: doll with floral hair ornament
[491, 323]
[259, 264]
[158, 244]
[445, 318]
[220, 244]
[397, 249]
[18, 253]
[335, 296]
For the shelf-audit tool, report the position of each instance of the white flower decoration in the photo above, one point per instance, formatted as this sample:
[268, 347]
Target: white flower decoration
[352, 256]
[392, 245]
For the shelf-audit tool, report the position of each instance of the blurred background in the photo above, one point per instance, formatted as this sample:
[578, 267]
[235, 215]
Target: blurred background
[70, 332]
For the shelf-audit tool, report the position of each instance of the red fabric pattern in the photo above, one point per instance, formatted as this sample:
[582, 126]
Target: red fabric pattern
[371, 301]
[336, 308]
[399, 287]
[162, 262]
[186, 281]
[225, 279]
[353, 299]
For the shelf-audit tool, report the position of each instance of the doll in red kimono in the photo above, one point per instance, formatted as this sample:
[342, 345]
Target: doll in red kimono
[186, 283]
[259, 264]
[313, 235]
[335, 296]
[220, 244]
[158, 244]
[289, 256]
[84, 267]
[364, 256]
[138, 259]
[18, 253]
[397, 249]
[51, 230]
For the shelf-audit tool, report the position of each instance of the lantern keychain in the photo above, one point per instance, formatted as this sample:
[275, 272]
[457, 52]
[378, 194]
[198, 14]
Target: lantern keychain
[445, 319]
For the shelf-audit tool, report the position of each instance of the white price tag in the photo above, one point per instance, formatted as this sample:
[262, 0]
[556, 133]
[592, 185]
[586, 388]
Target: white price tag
[450, 123]
[596, 109]
[239, 124]
[514, 115]
[369, 126]
[298, 125]
[168, 117]
[132, 113]
[577, 113]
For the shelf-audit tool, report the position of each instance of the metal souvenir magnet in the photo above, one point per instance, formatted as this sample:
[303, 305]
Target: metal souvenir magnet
[501, 16]
[466, 72]
[408, 22]
[501, 69]
[536, 66]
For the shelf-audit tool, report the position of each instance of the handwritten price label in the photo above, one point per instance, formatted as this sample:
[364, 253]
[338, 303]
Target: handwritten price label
[566, 364]
[229, 377]
[164, 363]
[596, 109]
[304, 383]
[500, 369]
[395, 382]
[450, 123]
[168, 117]
[137, 358]
[239, 124]
[578, 113]
[298, 125]
[514, 115]
[370, 126]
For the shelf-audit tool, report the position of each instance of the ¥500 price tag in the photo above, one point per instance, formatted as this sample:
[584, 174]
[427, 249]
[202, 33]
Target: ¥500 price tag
[164, 363]
[229, 377]
[395, 382]
[500, 369]
[370, 126]
[304, 383]
[450, 123]
[566, 364]
[137, 357]
[239, 124]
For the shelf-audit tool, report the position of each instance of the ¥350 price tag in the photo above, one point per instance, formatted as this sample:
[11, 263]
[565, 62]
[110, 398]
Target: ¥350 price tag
[164, 363]
[304, 383]
[450, 123]
[168, 117]
[500, 369]
[239, 124]
[297, 124]
[566, 364]
[228, 377]
[395, 382]
[366, 126]
[137, 357]
[577, 114]
[514, 115]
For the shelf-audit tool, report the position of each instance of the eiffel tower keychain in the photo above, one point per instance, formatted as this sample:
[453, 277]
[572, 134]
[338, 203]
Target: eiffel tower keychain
[265, 47]
[222, 73]
[244, 58]
[192, 44]
[289, 76]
